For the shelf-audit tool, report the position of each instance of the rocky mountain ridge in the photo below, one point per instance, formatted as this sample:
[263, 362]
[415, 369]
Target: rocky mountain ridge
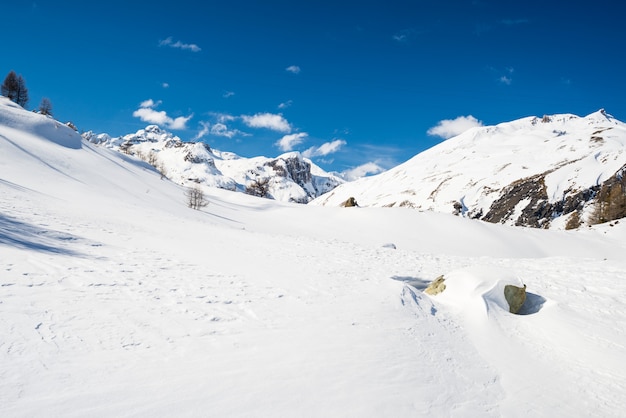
[288, 177]
[559, 171]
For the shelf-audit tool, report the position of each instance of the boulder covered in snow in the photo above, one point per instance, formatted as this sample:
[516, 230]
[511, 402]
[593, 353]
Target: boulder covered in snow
[479, 287]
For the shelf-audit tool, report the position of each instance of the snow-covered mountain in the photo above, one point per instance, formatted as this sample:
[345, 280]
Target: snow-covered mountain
[116, 299]
[555, 171]
[289, 177]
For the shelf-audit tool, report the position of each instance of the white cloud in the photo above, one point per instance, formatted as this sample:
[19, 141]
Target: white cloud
[293, 69]
[149, 103]
[178, 44]
[151, 116]
[405, 36]
[361, 171]
[285, 105]
[165, 85]
[223, 117]
[400, 37]
[228, 94]
[148, 114]
[179, 122]
[452, 127]
[287, 142]
[206, 128]
[505, 80]
[267, 120]
[325, 149]
[219, 128]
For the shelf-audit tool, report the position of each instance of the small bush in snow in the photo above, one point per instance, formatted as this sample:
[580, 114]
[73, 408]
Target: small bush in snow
[259, 187]
[195, 198]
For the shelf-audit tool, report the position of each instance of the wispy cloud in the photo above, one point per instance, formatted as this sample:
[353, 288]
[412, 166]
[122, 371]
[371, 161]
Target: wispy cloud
[404, 35]
[220, 129]
[169, 41]
[361, 171]
[228, 94]
[222, 117]
[288, 142]
[507, 79]
[147, 113]
[294, 69]
[165, 85]
[204, 131]
[325, 149]
[448, 128]
[267, 120]
[217, 129]
[285, 105]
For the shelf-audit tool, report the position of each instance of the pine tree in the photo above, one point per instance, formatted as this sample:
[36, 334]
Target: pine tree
[10, 86]
[14, 87]
[22, 92]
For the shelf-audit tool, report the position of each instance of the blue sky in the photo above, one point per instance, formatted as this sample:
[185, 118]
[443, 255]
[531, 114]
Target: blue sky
[358, 86]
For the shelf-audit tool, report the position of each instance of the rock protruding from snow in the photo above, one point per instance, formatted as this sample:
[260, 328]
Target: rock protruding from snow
[290, 177]
[350, 203]
[474, 289]
[436, 286]
[529, 172]
[515, 297]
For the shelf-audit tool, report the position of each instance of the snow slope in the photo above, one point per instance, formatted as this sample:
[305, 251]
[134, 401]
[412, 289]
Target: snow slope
[118, 300]
[561, 154]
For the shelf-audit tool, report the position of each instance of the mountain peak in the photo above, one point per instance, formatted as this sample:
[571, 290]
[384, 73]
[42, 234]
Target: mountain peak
[531, 171]
[291, 177]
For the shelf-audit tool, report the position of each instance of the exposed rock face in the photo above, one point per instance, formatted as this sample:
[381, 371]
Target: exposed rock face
[292, 167]
[526, 203]
[515, 296]
[557, 171]
[437, 286]
[351, 202]
[289, 177]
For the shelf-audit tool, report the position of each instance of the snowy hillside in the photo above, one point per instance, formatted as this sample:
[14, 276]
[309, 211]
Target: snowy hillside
[290, 177]
[117, 300]
[533, 171]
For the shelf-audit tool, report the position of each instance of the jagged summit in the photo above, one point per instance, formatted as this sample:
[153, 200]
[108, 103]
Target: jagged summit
[290, 176]
[534, 171]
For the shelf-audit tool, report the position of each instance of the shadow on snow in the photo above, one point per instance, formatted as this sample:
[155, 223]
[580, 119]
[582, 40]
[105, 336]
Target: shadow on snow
[15, 233]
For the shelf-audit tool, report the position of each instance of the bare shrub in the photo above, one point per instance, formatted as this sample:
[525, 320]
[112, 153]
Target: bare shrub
[259, 187]
[195, 198]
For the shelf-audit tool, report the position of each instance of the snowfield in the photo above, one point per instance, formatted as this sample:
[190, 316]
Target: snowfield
[117, 300]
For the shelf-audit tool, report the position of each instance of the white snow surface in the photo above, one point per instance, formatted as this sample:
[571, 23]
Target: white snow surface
[117, 300]
[472, 168]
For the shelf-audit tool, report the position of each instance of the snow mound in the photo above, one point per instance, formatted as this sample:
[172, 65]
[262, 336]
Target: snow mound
[15, 118]
[477, 290]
